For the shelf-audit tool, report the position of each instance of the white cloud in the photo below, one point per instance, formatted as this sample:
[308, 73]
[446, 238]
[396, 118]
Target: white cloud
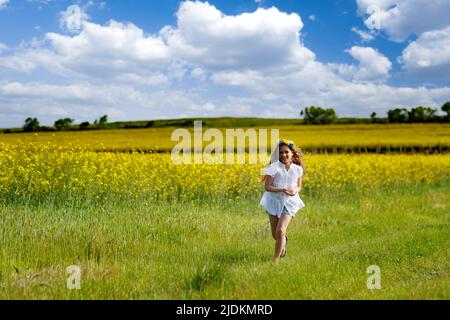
[204, 35]
[316, 84]
[198, 73]
[3, 47]
[73, 18]
[247, 78]
[373, 66]
[374, 97]
[40, 1]
[207, 107]
[280, 111]
[118, 45]
[76, 93]
[429, 54]
[3, 4]
[365, 36]
[83, 102]
[97, 52]
[50, 102]
[402, 18]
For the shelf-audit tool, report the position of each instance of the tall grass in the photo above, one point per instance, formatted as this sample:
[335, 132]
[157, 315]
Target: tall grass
[128, 249]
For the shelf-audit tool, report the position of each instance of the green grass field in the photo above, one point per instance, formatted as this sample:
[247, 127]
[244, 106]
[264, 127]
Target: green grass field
[223, 250]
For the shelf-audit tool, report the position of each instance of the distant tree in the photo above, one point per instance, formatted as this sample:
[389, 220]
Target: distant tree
[398, 115]
[63, 124]
[373, 116]
[103, 120]
[421, 114]
[84, 125]
[318, 115]
[31, 124]
[446, 108]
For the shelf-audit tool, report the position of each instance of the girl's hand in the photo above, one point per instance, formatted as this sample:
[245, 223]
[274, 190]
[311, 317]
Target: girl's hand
[289, 192]
[292, 191]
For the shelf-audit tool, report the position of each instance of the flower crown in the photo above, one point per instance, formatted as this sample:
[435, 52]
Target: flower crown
[290, 143]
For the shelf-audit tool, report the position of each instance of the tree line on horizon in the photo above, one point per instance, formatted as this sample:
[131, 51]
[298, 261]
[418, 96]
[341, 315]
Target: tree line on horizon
[311, 115]
[32, 124]
[420, 114]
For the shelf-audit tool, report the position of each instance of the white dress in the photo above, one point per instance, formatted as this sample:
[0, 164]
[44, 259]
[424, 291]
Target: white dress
[274, 202]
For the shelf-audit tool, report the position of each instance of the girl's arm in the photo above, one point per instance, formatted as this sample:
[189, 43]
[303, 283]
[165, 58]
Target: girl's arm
[269, 187]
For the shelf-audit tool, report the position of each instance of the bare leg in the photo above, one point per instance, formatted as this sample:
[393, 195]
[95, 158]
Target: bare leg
[283, 223]
[273, 225]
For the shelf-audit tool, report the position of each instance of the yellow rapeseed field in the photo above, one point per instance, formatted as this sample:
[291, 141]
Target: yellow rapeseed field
[311, 136]
[31, 170]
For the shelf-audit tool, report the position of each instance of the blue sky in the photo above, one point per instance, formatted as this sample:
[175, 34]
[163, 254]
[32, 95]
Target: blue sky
[144, 59]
